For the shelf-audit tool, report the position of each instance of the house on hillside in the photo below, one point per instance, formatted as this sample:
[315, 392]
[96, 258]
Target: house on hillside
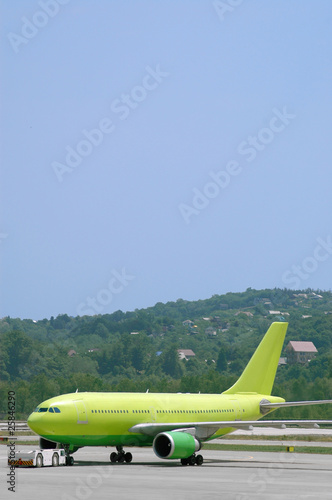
[300, 352]
[186, 354]
[282, 361]
[188, 323]
[246, 313]
[210, 331]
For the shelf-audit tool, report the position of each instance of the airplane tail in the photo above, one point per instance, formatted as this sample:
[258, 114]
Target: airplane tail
[260, 372]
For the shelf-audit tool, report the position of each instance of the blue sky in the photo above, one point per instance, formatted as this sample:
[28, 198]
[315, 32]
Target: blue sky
[156, 150]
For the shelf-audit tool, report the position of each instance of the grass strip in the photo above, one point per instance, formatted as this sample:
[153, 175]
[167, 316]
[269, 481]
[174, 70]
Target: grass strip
[27, 443]
[292, 437]
[268, 448]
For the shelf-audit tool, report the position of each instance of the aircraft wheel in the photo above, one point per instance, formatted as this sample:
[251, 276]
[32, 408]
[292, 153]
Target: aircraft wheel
[192, 460]
[39, 460]
[55, 460]
[121, 458]
[113, 457]
[199, 460]
[128, 457]
[184, 461]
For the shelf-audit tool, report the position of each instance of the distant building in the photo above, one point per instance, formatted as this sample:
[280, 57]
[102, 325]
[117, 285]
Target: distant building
[186, 354]
[187, 322]
[282, 362]
[71, 353]
[210, 331]
[247, 313]
[300, 352]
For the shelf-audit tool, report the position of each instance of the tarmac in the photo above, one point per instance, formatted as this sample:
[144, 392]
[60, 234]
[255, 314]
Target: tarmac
[223, 475]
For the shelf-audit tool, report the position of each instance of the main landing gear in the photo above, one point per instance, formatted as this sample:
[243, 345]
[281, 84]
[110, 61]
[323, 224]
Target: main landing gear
[192, 460]
[121, 456]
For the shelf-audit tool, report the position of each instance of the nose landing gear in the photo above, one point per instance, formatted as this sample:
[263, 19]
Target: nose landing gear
[69, 458]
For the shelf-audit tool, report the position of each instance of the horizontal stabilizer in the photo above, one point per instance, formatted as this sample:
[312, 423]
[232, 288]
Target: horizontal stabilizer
[266, 405]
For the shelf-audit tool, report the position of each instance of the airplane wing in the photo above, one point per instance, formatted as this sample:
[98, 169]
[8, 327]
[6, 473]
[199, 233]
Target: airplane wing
[204, 430]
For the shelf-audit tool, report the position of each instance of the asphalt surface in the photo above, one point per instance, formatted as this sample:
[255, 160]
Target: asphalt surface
[223, 475]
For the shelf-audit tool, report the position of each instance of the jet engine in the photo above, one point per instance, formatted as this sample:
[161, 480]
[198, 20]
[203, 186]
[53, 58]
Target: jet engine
[175, 444]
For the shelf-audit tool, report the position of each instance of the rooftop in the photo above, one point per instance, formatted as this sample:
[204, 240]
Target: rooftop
[299, 346]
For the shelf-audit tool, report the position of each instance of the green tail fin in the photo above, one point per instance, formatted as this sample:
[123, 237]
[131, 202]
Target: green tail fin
[260, 372]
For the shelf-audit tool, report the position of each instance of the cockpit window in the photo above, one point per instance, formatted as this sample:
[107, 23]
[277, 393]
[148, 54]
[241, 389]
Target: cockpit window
[54, 409]
[42, 410]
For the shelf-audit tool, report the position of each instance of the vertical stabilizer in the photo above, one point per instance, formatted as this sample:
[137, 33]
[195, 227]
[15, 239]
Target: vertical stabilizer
[260, 372]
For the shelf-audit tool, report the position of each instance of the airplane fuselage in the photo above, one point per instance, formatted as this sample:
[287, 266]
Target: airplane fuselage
[105, 419]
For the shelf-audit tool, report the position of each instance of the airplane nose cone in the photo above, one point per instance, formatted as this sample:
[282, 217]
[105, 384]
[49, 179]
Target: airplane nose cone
[30, 421]
[34, 422]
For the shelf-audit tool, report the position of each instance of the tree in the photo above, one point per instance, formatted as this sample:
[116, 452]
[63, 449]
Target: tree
[171, 363]
[221, 364]
[17, 348]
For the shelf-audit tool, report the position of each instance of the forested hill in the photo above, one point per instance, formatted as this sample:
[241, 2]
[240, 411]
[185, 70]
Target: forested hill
[136, 351]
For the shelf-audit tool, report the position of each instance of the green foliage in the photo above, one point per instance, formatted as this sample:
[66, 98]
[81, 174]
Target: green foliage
[170, 362]
[118, 352]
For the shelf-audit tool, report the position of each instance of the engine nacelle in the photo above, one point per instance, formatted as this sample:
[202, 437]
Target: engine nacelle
[175, 444]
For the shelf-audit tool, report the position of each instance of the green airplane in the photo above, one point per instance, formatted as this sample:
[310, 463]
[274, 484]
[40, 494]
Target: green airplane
[175, 425]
